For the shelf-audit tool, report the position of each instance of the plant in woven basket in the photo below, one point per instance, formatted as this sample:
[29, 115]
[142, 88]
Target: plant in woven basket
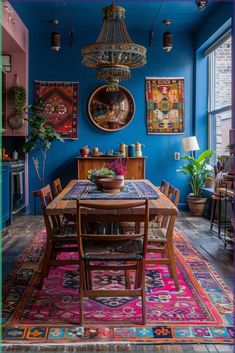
[17, 97]
[40, 138]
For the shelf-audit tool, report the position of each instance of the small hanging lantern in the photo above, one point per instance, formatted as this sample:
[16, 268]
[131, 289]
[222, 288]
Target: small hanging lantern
[167, 37]
[55, 38]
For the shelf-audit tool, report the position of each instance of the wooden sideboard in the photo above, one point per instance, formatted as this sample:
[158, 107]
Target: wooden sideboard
[135, 166]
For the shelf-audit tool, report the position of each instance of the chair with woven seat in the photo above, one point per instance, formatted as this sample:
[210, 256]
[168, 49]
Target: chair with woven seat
[160, 240]
[59, 238]
[115, 252]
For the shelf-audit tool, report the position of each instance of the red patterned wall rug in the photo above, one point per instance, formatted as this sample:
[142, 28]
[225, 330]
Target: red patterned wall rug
[60, 106]
[200, 312]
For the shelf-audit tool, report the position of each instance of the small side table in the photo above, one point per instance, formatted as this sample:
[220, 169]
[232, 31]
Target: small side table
[36, 194]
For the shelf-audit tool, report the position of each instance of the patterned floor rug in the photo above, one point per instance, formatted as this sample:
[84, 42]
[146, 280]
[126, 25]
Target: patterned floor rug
[201, 311]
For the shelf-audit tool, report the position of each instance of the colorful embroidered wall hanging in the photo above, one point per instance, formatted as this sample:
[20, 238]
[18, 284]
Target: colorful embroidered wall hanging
[60, 106]
[165, 105]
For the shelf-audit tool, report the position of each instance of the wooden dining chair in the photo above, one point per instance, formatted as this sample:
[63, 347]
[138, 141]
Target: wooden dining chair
[160, 240]
[164, 187]
[67, 217]
[59, 238]
[115, 252]
[57, 187]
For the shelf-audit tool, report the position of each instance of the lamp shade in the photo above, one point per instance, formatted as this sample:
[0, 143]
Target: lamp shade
[190, 144]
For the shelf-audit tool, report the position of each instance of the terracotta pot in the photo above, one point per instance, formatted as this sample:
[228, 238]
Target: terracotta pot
[196, 205]
[84, 152]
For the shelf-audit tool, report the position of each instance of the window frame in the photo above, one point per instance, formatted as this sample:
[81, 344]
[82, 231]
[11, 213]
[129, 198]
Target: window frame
[212, 112]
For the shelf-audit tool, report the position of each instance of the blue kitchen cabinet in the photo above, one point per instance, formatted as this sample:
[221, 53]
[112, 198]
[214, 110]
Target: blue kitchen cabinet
[6, 196]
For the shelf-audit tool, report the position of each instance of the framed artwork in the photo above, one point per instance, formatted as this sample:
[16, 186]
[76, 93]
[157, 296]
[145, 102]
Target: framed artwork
[165, 105]
[60, 106]
[111, 111]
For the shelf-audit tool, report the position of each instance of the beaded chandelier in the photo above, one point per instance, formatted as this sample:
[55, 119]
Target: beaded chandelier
[114, 54]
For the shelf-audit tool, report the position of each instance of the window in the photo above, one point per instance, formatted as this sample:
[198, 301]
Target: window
[220, 94]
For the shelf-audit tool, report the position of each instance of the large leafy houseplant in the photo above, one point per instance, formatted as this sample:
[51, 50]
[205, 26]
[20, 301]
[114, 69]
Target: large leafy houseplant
[197, 170]
[40, 138]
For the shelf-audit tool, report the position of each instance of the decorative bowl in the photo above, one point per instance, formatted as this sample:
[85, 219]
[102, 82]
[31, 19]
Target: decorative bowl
[97, 178]
[110, 185]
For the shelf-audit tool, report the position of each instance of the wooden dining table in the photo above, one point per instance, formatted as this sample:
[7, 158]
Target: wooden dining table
[160, 206]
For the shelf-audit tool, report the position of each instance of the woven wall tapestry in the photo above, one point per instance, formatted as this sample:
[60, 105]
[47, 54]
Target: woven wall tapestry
[60, 106]
[165, 105]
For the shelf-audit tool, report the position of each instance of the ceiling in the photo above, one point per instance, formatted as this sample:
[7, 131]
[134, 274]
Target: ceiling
[140, 15]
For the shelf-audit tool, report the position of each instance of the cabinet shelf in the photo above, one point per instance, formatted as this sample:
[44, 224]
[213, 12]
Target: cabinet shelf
[135, 165]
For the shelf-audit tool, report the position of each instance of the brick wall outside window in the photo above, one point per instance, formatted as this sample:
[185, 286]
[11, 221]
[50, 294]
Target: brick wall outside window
[223, 93]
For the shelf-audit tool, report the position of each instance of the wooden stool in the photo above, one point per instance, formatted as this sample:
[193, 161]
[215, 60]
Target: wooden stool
[216, 203]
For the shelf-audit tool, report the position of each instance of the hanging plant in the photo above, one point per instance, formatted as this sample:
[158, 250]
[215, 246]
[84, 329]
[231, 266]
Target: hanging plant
[17, 97]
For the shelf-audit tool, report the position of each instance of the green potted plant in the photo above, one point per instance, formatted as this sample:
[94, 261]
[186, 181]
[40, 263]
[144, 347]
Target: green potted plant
[197, 170]
[104, 172]
[40, 138]
[17, 98]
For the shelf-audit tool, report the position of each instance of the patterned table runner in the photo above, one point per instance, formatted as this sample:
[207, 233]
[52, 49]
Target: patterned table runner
[86, 190]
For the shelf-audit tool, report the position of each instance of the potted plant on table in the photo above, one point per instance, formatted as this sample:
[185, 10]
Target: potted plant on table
[118, 166]
[40, 138]
[104, 172]
[101, 173]
[198, 170]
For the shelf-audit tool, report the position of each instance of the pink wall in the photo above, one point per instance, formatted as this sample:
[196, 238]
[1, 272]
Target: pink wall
[18, 60]
[15, 43]
[17, 31]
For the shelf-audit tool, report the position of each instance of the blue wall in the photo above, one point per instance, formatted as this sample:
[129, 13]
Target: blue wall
[65, 65]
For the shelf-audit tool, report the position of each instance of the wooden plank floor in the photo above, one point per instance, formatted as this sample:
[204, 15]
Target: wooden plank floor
[18, 236]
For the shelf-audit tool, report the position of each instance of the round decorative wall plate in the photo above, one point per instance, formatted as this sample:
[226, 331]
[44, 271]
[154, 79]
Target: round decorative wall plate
[111, 111]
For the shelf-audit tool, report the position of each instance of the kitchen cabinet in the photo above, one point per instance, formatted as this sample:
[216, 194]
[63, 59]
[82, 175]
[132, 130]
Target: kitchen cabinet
[5, 186]
[135, 166]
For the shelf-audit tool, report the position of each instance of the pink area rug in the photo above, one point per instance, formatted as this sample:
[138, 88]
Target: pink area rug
[200, 310]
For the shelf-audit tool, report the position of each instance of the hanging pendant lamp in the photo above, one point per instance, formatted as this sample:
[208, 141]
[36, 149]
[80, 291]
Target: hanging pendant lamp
[114, 54]
[167, 37]
[55, 37]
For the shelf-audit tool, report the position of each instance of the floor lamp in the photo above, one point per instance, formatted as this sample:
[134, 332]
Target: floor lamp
[190, 144]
